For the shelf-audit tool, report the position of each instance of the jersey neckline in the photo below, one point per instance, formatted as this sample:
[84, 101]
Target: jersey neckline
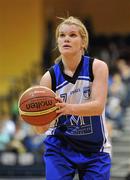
[76, 73]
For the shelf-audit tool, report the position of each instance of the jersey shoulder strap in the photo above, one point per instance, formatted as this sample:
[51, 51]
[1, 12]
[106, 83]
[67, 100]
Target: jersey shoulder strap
[91, 68]
[53, 78]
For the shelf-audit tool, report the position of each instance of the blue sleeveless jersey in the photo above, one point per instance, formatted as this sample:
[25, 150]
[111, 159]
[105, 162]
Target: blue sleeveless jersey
[83, 133]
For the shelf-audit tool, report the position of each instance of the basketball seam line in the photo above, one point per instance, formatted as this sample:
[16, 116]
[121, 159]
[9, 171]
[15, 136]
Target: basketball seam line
[37, 113]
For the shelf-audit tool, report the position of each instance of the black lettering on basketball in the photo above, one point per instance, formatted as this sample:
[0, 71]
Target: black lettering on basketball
[39, 105]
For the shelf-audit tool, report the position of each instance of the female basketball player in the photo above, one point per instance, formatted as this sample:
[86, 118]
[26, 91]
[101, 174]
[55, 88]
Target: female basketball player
[77, 141]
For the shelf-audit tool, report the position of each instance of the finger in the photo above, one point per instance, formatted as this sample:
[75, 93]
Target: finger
[58, 99]
[59, 105]
[59, 111]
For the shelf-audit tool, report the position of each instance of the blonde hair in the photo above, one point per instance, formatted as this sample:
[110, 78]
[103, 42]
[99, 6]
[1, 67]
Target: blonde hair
[82, 30]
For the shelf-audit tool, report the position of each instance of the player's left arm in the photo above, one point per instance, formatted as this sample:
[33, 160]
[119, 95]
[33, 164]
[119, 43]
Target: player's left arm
[98, 94]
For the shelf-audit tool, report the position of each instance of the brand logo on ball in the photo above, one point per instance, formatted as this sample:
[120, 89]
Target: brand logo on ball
[39, 105]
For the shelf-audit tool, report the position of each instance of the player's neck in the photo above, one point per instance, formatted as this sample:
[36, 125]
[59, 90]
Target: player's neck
[71, 62]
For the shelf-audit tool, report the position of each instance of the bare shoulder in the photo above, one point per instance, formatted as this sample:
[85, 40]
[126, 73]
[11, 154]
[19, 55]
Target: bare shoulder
[100, 65]
[46, 80]
[98, 62]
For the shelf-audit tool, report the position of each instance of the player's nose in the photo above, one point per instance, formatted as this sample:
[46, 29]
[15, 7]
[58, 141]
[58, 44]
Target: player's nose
[67, 39]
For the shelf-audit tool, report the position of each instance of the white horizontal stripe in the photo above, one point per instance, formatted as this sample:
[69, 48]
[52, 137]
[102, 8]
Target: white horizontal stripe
[85, 77]
[61, 84]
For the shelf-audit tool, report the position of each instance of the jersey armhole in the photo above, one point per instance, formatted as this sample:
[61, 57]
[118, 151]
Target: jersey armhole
[91, 68]
[53, 79]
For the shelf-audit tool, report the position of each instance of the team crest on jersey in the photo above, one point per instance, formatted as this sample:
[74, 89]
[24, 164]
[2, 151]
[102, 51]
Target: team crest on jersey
[79, 125]
[86, 92]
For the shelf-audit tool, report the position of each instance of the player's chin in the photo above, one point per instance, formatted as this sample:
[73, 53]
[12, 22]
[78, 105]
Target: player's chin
[66, 52]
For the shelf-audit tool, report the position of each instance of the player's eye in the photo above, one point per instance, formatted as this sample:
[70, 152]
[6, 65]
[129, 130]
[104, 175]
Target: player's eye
[61, 35]
[73, 35]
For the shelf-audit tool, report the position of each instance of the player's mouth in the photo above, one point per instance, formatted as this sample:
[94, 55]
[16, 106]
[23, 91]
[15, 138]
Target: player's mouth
[66, 46]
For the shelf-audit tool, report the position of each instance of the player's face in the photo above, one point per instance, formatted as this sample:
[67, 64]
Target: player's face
[69, 40]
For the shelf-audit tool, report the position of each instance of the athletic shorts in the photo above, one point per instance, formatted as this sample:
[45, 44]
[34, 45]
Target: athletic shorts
[62, 162]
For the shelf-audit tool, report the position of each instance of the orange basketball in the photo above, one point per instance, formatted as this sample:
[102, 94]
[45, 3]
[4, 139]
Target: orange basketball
[37, 105]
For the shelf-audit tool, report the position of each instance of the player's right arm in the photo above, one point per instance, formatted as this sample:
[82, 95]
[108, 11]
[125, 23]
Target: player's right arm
[45, 81]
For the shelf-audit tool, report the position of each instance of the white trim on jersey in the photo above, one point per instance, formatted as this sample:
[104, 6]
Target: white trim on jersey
[61, 85]
[84, 78]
